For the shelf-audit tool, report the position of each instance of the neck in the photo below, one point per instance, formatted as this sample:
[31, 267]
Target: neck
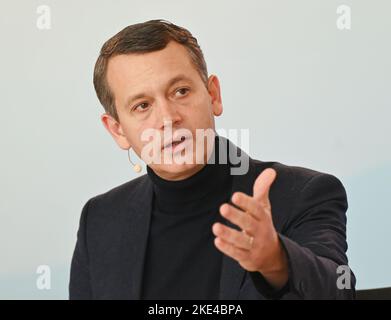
[177, 176]
[211, 183]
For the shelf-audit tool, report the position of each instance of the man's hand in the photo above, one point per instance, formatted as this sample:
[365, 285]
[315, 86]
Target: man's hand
[257, 247]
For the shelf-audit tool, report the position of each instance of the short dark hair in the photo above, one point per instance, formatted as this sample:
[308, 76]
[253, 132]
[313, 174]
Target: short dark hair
[152, 35]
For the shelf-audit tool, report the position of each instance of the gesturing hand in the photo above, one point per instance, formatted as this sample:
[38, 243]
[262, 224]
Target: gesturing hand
[257, 247]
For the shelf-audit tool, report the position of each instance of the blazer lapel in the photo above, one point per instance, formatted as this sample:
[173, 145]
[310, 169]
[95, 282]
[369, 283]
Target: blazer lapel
[232, 274]
[137, 213]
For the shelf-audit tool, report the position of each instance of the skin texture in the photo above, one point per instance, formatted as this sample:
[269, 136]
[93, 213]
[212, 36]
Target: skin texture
[191, 104]
[266, 254]
[150, 73]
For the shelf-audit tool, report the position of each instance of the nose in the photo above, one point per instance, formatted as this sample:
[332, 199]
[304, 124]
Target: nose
[168, 114]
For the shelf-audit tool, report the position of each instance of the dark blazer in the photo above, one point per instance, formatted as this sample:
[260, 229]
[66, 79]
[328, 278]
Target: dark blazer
[309, 213]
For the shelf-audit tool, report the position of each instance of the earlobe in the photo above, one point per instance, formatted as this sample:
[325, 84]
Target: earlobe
[116, 131]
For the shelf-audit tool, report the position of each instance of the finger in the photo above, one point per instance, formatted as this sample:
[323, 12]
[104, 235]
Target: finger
[246, 203]
[243, 220]
[263, 183]
[230, 250]
[232, 236]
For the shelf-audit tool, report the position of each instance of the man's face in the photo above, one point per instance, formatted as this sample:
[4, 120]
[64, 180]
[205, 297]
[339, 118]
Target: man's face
[157, 90]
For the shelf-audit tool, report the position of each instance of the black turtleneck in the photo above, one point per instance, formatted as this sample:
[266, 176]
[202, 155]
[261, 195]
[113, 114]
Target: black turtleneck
[182, 261]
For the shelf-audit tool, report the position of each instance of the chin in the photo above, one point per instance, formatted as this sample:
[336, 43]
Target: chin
[176, 171]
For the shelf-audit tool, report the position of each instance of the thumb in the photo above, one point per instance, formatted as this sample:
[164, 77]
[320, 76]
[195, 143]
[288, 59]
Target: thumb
[263, 183]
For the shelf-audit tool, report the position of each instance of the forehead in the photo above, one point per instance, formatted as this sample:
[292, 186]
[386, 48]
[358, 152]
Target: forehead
[139, 71]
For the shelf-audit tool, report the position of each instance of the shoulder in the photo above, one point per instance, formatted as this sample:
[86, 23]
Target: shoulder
[297, 178]
[297, 189]
[113, 200]
[125, 190]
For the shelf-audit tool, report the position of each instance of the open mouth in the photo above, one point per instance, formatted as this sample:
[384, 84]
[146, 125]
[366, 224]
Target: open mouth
[174, 144]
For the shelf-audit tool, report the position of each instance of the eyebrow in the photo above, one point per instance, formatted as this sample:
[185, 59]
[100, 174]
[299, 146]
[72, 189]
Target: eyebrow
[174, 80]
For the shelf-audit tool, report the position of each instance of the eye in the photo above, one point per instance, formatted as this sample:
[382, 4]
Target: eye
[182, 92]
[142, 106]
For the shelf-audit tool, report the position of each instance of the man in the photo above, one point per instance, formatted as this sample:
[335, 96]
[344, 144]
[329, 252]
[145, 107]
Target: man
[189, 228]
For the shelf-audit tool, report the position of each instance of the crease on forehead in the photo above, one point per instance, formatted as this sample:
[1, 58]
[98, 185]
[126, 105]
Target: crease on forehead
[147, 66]
[173, 55]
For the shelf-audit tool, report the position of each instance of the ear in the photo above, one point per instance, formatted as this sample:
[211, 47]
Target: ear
[215, 94]
[116, 131]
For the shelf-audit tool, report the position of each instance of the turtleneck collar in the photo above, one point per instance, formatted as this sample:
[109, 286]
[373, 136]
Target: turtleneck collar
[195, 194]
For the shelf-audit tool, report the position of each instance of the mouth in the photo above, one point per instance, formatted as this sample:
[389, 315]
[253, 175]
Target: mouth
[174, 145]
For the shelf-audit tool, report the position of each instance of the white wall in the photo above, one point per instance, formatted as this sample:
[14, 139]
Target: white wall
[311, 94]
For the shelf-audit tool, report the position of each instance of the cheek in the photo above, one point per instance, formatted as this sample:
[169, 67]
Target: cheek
[201, 110]
[143, 135]
[205, 114]
[132, 133]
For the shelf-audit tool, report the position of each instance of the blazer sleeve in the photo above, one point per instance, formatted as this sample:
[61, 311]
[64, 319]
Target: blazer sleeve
[79, 284]
[315, 243]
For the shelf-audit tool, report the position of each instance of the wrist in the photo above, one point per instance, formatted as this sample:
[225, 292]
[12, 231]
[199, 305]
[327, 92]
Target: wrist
[276, 270]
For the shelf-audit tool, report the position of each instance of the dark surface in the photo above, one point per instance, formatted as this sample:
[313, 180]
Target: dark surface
[309, 213]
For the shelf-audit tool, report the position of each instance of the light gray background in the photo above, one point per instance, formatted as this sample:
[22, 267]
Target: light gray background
[311, 95]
